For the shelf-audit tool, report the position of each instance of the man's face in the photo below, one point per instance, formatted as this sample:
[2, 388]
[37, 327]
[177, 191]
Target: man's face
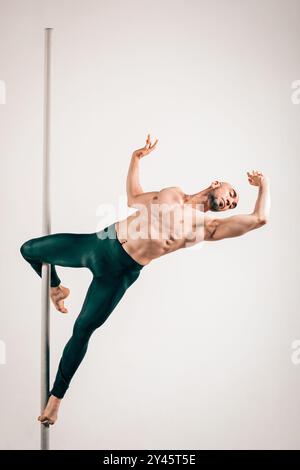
[222, 198]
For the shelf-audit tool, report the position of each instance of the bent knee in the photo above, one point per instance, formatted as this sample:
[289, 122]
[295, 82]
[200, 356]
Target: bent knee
[25, 249]
[28, 249]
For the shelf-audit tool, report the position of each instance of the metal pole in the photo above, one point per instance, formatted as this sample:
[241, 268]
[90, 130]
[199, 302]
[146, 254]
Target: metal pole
[45, 323]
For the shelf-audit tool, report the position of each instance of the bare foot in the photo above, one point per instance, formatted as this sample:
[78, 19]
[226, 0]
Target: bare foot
[58, 294]
[49, 415]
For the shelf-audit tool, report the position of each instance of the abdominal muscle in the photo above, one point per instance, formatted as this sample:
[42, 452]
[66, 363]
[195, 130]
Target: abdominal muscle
[158, 229]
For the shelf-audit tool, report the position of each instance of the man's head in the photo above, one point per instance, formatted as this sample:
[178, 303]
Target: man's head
[222, 197]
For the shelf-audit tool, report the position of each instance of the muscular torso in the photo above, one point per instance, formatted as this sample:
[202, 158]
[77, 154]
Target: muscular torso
[164, 224]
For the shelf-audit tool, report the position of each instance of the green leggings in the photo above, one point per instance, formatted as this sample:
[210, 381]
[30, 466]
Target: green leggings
[114, 270]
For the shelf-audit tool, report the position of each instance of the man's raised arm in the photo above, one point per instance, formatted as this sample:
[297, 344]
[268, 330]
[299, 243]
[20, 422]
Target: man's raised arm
[135, 193]
[237, 225]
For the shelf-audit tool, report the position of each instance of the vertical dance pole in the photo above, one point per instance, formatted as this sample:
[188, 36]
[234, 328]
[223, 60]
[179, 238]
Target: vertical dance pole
[45, 323]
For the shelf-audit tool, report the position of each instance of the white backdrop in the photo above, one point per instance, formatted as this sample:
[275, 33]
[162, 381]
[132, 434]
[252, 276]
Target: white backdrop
[198, 353]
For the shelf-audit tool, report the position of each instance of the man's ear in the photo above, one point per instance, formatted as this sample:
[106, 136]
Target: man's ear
[215, 184]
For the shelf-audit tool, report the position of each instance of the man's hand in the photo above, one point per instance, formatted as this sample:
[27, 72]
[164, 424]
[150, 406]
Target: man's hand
[140, 153]
[228, 227]
[135, 193]
[256, 178]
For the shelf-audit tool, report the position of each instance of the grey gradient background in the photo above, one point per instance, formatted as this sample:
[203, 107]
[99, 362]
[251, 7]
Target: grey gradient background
[198, 353]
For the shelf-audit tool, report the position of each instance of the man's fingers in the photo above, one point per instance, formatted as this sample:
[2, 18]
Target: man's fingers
[152, 146]
[254, 173]
[148, 147]
[147, 143]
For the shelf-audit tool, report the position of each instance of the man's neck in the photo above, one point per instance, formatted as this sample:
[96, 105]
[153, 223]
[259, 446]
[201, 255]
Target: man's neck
[197, 199]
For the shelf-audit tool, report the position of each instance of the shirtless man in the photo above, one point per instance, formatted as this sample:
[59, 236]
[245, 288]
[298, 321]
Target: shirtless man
[165, 221]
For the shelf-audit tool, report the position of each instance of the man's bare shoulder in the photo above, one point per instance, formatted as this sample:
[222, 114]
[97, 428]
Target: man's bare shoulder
[171, 188]
[170, 194]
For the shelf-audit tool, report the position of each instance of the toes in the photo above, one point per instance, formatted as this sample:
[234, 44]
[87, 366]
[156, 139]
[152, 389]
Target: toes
[62, 310]
[61, 307]
[45, 420]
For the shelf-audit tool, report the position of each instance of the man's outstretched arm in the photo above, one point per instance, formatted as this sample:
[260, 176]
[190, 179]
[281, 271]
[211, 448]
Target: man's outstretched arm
[135, 193]
[237, 225]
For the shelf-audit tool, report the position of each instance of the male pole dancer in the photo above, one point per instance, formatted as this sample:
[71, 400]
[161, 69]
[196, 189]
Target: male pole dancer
[165, 221]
